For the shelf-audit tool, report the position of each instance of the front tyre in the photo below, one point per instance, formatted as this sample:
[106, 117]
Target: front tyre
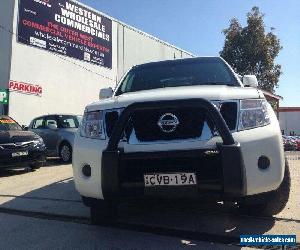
[269, 203]
[103, 212]
[36, 166]
[65, 152]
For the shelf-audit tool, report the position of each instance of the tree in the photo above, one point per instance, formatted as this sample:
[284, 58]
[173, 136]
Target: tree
[250, 50]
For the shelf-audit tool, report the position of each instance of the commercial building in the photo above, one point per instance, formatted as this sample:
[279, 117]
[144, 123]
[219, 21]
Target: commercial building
[55, 55]
[289, 119]
[273, 99]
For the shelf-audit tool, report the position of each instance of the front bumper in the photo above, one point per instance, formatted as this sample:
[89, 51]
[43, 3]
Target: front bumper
[36, 156]
[219, 172]
[225, 165]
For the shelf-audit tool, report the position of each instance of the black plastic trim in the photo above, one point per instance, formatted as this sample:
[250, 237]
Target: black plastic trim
[233, 170]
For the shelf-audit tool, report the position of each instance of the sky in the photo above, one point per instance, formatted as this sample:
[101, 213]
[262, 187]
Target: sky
[196, 26]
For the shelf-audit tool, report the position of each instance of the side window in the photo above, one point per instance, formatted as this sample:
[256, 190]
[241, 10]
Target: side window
[50, 122]
[69, 123]
[38, 123]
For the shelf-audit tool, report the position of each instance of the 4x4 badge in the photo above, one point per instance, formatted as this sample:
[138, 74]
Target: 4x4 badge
[168, 122]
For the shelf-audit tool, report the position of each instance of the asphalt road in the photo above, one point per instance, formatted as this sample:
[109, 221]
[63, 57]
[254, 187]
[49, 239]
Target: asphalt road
[19, 232]
[42, 210]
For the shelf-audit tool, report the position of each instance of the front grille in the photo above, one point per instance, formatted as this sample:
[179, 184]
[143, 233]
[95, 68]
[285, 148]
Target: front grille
[190, 125]
[13, 146]
[191, 121]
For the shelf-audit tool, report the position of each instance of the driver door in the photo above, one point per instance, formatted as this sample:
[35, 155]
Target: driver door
[51, 133]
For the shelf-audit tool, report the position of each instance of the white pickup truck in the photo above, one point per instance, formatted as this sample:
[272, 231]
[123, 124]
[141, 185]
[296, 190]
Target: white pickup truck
[176, 129]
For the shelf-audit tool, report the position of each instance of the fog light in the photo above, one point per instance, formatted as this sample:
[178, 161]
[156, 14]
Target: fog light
[263, 162]
[86, 170]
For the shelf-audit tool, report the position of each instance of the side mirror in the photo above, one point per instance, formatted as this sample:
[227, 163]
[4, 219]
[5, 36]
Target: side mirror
[250, 81]
[25, 127]
[106, 93]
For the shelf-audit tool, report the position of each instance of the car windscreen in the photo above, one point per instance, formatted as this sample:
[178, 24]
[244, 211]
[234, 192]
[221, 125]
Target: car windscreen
[178, 74]
[7, 124]
[68, 121]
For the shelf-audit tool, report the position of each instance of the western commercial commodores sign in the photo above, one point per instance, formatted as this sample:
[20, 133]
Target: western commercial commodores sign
[67, 28]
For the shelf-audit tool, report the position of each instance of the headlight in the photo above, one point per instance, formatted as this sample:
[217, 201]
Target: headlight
[92, 125]
[38, 142]
[253, 113]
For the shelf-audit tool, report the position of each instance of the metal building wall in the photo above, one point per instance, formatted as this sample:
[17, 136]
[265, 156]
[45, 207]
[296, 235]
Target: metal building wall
[290, 122]
[69, 84]
[139, 48]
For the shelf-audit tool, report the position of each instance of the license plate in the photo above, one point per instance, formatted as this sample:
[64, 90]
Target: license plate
[18, 154]
[174, 179]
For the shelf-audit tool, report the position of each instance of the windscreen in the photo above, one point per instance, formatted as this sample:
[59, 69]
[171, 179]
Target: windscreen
[175, 75]
[7, 124]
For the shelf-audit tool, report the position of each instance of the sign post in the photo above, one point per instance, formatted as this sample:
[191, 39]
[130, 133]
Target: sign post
[4, 96]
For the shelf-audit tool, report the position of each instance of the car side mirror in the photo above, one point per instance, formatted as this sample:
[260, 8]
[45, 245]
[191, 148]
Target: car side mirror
[106, 93]
[250, 81]
[25, 127]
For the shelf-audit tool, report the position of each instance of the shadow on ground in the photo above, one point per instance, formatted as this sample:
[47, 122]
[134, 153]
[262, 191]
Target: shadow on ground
[51, 162]
[54, 162]
[194, 220]
[11, 172]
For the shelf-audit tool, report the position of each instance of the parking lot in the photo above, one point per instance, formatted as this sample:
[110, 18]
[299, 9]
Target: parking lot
[37, 207]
